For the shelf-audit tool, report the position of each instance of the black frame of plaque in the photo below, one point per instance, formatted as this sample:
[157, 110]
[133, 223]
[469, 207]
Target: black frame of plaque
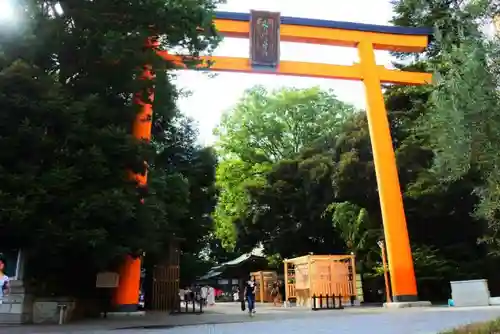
[256, 58]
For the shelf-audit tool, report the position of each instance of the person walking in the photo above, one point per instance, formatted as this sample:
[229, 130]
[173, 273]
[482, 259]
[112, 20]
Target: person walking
[275, 293]
[204, 294]
[282, 292]
[250, 295]
[4, 281]
[241, 293]
[236, 294]
[211, 296]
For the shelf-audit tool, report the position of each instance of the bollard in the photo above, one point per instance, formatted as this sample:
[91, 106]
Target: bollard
[331, 302]
[62, 311]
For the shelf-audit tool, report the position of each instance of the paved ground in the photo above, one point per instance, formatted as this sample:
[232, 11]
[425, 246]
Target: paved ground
[228, 319]
[394, 322]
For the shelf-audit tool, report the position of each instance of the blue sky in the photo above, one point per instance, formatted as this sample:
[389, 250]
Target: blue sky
[212, 96]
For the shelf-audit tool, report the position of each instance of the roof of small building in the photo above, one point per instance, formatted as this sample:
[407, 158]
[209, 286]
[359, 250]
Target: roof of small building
[256, 254]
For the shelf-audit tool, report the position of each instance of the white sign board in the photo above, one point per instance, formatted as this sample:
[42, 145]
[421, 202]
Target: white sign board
[107, 279]
[470, 293]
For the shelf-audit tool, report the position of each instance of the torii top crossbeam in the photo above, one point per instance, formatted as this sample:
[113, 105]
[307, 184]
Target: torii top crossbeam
[323, 32]
[335, 33]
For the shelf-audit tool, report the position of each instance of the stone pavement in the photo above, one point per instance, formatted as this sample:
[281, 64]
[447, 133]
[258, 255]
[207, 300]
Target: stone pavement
[227, 319]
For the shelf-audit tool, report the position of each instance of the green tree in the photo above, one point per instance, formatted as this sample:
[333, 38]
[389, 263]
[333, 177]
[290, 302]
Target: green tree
[184, 174]
[272, 125]
[431, 269]
[286, 212]
[233, 179]
[263, 128]
[447, 17]
[463, 106]
[351, 221]
[435, 200]
[68, 79]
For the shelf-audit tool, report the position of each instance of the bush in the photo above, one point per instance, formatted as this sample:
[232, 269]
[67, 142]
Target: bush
[492, 327]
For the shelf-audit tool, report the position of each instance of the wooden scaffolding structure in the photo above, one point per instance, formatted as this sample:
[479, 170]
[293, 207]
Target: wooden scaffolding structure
[311, 275]
[265, 281]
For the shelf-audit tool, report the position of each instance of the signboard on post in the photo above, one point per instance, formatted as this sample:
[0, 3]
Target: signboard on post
[264, 38]
[107, 280]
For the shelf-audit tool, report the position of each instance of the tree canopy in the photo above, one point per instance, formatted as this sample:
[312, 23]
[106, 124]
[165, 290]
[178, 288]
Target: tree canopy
[264, 128]
[68, 79]
[272, 125]
[462, 119]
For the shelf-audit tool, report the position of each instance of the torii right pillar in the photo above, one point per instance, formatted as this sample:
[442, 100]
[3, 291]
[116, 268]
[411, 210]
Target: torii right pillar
[402, 273]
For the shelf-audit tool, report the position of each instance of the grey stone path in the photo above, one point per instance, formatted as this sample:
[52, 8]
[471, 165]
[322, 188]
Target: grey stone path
[230, 320]
[389, 322]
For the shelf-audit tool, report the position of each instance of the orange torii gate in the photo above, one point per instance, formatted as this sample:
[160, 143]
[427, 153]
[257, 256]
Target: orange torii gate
[265, 31]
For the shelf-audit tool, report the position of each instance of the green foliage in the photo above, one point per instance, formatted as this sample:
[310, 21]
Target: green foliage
[466, 101]
[451, 20]
[351, 221]
[263, 128]
[290, 211]
[68, 79]
[275, 261]
[464, 97]
[463, 119]
[182, 179]
[439, 150]
[192, 266]
[429, 264]
[273, 125]
[217, 254]
[60, 191]
[286, 213]
[233, 179]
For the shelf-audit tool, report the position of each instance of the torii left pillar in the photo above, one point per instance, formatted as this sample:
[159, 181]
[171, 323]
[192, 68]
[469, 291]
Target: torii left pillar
[126, 298]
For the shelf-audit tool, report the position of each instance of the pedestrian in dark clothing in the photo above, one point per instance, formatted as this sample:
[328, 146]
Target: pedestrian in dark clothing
[250, 287]
[282, 289]
[241, 291]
